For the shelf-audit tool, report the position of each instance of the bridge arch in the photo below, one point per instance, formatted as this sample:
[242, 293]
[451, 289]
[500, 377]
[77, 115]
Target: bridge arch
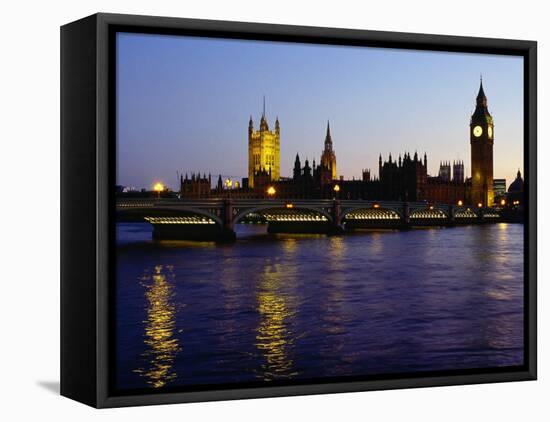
[430, 213]
[371, 213]
[171, 212]
[262, 209]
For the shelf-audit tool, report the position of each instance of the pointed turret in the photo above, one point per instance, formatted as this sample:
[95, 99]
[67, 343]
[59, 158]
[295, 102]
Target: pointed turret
[250, 125]
[297, 168]
[481, 115]
[328, 138]
[481, 98]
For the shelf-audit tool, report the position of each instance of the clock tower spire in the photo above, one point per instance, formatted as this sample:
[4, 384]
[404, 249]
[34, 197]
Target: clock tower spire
[481, 142]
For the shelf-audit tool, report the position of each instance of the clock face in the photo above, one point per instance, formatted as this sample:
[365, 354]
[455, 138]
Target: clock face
[490, 131]
[478, 131]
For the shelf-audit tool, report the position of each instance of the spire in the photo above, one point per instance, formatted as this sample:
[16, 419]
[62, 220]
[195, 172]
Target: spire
[481, 97]
[263, 113]
[328, 139]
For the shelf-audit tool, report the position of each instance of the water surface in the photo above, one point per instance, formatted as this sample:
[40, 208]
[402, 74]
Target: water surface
[278, 307]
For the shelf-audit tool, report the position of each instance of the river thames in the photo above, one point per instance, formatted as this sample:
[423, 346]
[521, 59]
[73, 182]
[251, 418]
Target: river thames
[301, 307]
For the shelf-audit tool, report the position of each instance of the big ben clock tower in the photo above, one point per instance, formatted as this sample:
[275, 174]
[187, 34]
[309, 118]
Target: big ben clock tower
[481, 141]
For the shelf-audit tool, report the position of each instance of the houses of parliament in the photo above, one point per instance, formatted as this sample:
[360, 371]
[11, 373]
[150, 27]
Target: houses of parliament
[402, 178]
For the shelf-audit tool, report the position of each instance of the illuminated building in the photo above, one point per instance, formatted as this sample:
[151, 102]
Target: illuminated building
[499, 187]
[264, 150]
[481, 141]
[403, 179]
[328, 157]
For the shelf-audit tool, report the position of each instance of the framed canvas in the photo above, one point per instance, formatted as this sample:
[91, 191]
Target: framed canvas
[253, 210]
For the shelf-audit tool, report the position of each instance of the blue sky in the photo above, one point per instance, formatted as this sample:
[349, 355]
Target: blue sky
[184, 102]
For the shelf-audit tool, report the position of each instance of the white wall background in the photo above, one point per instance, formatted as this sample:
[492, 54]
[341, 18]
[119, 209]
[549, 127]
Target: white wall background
[29, 235]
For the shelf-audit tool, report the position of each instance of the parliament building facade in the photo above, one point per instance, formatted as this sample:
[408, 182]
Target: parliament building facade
[403, 179]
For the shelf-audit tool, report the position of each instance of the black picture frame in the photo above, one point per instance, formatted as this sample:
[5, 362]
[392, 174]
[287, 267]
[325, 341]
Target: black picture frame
[87, 200]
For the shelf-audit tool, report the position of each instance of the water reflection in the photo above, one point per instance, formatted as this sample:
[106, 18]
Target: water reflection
[274, 338]
[286, 306]
[162, 345]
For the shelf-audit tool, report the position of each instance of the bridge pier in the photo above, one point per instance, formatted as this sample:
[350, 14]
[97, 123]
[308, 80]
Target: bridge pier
[479, 214]
[228, 228]
[406, 216]
[336, 214]
[451, 216]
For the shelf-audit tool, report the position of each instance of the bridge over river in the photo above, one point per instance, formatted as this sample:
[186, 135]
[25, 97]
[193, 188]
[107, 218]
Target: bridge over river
[216, 218]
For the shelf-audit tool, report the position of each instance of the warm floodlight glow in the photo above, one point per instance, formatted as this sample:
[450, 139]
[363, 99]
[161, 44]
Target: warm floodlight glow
[271, 191]
[431, 207]
[290, 205]
[479, 204]
[158, 187]
[336, 188]
[376, 206]
[460, 202]
[502, 202]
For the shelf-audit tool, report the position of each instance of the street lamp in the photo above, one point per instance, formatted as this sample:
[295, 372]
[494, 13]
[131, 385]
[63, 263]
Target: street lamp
[158, 188]
[479, 204]
[271, 191]
[502, 202]
[336, 189]
[460, 202]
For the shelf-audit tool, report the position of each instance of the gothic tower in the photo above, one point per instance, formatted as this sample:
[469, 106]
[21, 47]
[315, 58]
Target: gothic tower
[264, 149]
[328, 157]
[297, 169]
[481, 141]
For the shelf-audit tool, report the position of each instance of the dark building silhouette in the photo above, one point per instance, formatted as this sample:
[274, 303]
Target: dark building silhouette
[515, 195]
[445, 171]
[196, 186]
[458, 171]
[404, 179]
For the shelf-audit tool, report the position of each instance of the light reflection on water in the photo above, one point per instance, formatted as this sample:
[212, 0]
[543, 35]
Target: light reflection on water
[274, 338]
[276, 307]
[161, 343]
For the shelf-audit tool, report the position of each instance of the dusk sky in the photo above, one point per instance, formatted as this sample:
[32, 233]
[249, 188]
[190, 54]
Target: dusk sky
[183, 105]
